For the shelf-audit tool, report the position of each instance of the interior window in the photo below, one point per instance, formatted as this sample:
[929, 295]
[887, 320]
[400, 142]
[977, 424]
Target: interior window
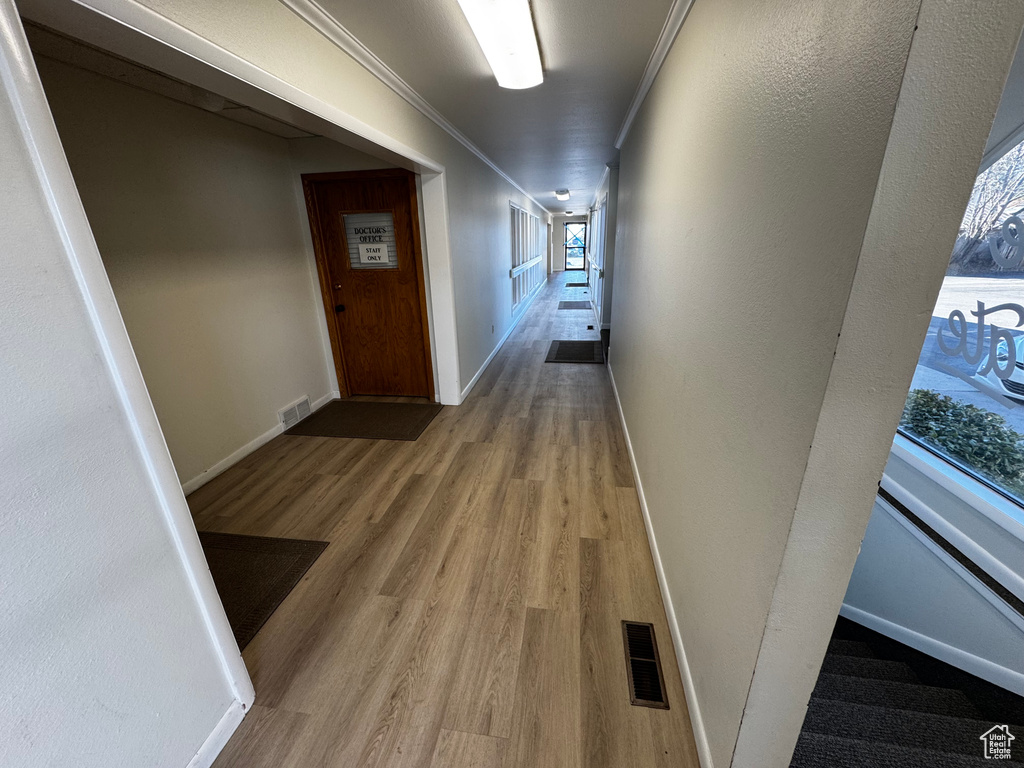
[966, 402]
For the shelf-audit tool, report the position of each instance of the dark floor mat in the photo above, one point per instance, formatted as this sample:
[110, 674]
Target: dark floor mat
[254, 574]
[574, 305]
[576, 285]
[576, 352]
[372, 421]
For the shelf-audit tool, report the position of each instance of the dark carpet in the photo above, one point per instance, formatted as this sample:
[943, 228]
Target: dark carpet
[576, 285]
[881, 704]
[254, 574]
[372, 421]
[568, 351]
[574, 305]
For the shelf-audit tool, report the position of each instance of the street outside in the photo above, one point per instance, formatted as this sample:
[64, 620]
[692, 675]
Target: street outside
[963, 293]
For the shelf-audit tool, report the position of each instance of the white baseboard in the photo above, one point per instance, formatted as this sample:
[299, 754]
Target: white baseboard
[957, 657]
[696, 720]
[221, 733]
[226, 463]
[476, 377]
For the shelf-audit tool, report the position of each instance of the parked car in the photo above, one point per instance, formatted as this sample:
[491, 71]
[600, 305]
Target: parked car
[1012, 387]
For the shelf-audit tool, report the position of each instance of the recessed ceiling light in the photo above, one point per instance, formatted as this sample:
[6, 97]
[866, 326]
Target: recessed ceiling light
[561, 194]
[504, 29]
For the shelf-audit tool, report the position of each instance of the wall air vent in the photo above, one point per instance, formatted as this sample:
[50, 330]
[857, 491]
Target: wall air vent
[643, 666]
[295, 413]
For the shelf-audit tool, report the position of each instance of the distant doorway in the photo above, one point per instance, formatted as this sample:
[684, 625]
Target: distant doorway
[575, 245]
[366, 237]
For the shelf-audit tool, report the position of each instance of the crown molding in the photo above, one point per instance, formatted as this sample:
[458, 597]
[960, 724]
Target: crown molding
[313, 14]
[676, 16]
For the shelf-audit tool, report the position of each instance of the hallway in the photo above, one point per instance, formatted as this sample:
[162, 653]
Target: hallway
[467, 611]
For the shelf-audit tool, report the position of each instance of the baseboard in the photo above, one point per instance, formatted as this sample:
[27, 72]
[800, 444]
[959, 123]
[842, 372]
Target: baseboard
[219, 737]
[957, 657]
[696, 719]
[226, 463]
[480, 371]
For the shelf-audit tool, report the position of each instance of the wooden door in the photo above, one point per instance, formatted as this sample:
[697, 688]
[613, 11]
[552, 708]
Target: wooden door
[365, 228]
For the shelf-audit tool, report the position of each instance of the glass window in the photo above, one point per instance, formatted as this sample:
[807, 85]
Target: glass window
[966, 402]
[575, 245]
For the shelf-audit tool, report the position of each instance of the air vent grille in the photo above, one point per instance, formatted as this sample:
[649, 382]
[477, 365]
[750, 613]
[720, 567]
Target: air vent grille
[643, 666]
[295, 412]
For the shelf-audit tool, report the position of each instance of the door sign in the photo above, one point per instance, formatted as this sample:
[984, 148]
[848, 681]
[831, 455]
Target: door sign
[371, 240]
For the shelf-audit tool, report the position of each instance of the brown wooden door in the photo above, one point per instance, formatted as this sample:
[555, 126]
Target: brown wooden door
[365, 229]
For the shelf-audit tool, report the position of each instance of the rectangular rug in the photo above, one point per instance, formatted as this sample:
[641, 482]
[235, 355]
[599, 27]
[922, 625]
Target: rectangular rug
[568, 351]
[371, 421]
[254, 574]
[574, 305]
[576, 285]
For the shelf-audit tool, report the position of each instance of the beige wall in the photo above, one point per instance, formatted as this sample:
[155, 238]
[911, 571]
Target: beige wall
[268, 34]
[747, 188]
[204, 235]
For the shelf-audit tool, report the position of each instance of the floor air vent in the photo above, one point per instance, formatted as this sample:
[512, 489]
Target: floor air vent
[295, 413]
[643, 666]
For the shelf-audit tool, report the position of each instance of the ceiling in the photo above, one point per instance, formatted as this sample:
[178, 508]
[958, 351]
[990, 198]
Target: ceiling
[559, 134]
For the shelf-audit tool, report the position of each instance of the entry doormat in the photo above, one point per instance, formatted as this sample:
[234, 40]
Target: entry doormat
[574, 305]
[576, 285]
[254, 574]
[576, 352]
[371, 421]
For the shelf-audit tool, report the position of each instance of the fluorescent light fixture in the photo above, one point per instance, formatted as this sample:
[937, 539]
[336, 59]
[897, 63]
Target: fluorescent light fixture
[504, 29]
[562, 194]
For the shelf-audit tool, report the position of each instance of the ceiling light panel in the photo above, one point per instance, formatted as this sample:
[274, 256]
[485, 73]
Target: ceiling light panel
[504, 29]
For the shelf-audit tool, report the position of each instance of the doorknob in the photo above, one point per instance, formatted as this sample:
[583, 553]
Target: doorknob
[339, 307]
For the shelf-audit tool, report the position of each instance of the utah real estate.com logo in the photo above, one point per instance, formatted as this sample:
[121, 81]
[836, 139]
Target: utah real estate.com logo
[997, 742]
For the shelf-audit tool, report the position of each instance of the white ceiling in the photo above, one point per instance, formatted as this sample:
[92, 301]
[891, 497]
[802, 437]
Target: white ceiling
[559, 134]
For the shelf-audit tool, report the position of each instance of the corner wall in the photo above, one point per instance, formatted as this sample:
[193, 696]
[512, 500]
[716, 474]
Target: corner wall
[115, 649]
[749, 239]
[199, 224]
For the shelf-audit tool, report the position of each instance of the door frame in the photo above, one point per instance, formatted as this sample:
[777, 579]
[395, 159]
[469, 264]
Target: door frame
[309, 181]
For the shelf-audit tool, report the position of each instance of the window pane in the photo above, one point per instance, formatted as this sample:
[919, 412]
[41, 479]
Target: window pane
[967, 398]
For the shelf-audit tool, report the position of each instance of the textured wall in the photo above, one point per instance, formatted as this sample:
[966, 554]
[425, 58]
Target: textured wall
[201, 233]
[106, 659]
[747, 188]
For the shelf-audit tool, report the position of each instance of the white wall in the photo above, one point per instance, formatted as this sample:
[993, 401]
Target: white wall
[108, 656]
[904, 587]
[772, 287]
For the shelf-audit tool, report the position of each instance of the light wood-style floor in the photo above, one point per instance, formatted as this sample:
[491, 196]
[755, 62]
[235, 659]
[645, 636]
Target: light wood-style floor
[467, 611]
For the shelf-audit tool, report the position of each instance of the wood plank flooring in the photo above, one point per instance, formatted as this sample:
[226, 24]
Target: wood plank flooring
[467, 610]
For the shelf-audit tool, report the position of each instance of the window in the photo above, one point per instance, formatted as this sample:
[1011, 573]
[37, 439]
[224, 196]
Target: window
[966, 403]
[528, 245]
[575, 244]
